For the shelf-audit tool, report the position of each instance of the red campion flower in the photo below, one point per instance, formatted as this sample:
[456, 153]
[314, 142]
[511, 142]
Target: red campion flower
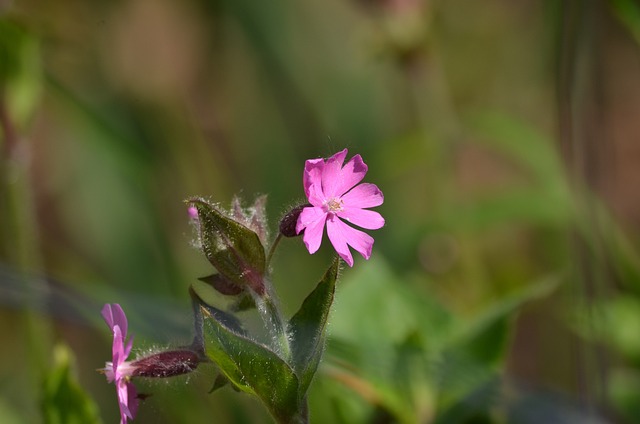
[336, 197]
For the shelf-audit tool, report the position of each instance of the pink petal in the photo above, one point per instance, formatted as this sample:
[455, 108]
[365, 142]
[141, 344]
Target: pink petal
[340, 234]
[312, 221]
[338, 240]
[125, 392]
[365, 195]
[309, 216]
[312, 175]
[114, 315]
[127, 347]
[332, 174]
[352, 173]
[118, 348]
[133, 400]
[315, 195]
[364, 218]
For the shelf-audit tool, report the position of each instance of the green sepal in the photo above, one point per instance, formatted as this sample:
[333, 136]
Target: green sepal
[232, 248]
[222, 285]
[254, 369]
[308, 327]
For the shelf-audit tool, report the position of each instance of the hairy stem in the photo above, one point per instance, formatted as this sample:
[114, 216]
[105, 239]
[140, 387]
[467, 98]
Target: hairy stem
[268, 307]
[272, 249]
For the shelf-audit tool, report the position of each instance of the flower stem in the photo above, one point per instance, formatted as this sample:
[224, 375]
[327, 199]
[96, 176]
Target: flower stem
[271, 314]
[272, 249]
[198, 324]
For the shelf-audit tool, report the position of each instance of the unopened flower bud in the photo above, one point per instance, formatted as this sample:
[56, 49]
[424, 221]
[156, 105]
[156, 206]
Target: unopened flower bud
[166, 364]
[193, 212]
[289, 221]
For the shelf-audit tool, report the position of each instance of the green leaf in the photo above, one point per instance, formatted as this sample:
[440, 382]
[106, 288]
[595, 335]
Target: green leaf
[368, 352]
[222, 285]
[254, 369]
[233, 249]
[64, 401]
[219, 383]
[308, 327]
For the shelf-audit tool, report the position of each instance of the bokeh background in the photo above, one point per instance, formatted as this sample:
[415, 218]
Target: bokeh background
[505, 286]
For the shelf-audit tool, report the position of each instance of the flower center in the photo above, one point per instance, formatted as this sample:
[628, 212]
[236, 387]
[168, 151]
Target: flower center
[333, 205]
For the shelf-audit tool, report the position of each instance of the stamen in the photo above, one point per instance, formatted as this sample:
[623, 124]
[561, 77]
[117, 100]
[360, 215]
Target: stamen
[334, 205]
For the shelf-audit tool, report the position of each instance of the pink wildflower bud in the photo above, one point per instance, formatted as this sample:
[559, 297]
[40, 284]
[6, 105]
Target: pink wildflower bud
[193, 212]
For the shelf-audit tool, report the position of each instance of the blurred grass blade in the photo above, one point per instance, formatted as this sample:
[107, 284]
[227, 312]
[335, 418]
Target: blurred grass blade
[486, 338]
[64, 400]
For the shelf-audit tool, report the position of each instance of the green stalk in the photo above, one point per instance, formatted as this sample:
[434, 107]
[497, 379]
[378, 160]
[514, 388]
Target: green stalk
[21, 246]
[272, 250]
[269, 309]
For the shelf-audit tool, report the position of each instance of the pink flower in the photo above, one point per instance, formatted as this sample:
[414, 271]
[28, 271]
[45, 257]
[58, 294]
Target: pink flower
[332, 191]
[119, 370]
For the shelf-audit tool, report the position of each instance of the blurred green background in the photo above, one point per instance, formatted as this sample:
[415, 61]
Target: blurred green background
[505, 286]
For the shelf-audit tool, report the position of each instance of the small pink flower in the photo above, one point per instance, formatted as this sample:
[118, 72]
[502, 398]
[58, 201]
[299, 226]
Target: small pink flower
[119, 370]
[336, 196]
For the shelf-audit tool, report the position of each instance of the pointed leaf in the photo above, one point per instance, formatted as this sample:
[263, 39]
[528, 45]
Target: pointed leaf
[228, 320]
[222, 285]
[253, 368]
[233, 249]
[219, 383]
[308, 327]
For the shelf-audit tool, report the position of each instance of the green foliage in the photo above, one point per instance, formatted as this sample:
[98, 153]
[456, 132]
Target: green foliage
[625, 392]
[279, 380]
[308, 327]
[254, 369]
[485, 337]
[422, 361]
[64, 401]
[460, 135]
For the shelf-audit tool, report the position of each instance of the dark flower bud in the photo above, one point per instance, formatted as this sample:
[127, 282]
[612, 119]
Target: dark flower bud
[166, 364]
[290, 220]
